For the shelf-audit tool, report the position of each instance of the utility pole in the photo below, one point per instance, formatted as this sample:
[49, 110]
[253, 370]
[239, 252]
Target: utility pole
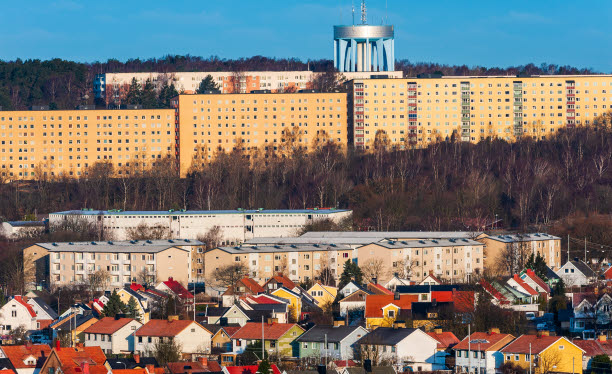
[530, 358]
[469, 349]
[568, 255]
[263, 341]
[585, 251]
[325, 350]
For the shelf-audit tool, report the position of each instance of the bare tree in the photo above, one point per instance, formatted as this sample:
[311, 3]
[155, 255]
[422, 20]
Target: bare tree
[97, 281]
[213, 238]
[373, 269]
[227, 276]
[148, 232]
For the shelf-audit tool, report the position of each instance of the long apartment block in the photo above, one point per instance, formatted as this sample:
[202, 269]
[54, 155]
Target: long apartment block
[267, 122]
[52, 143]
[417, 111]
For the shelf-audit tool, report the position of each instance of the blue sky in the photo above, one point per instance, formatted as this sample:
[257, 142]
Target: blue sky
[488, 33]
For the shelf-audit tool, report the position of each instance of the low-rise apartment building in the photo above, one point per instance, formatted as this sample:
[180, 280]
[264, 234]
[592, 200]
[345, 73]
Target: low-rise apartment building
[301, 262]
[522, 245]
[58, 264]
[235, 225]
[453, 260]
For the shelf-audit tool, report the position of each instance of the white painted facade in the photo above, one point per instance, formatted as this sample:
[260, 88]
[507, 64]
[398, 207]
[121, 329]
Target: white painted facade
[193, 339]
[420, 350]
[478, 362]
[14, 314]
[236, 225]
[572, 276]
[119, 342]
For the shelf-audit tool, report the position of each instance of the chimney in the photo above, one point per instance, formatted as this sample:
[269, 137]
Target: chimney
[602, 338]
[375, 280]
[438, 330]
[173, 318]
[543, 333]
[396, 296]
[85, 367]
[203, 361]
[367, 366]
[493, 330]
[170, 279]
[28, 345]
[339, 322]
[57, 345]
[80, 346]
[136, 358]
[272, 320]
[150, 368]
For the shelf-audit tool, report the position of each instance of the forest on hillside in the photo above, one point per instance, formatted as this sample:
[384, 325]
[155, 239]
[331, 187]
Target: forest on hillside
[558, 182]
[66, 84]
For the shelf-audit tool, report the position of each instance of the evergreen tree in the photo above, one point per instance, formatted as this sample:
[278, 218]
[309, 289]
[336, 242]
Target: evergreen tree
[538, 265]
[114, 306]
[132, 309]
[134, 95]
[148, 97]
[264, 367]
[351, 272]
[170, 306]
[207, 84]
[166, 94]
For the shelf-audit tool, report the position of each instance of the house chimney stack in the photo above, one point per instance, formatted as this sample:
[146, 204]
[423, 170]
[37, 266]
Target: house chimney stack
[493, 330]
[136, 358]
[602, 338]
[173, 318]
[203, 361]
[150, 368]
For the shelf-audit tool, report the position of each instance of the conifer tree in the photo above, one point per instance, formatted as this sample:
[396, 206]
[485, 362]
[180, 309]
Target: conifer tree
[351, 272]
[132, 309]
[207, 84]
[148, 97]
[114, 306]
[134, 95]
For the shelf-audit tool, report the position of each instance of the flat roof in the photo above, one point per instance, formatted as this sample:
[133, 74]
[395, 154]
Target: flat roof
[200, 212]
[308, 240]
[392, 234]
[136, 246]
[427, 243]
[284, 248]
[511, 238]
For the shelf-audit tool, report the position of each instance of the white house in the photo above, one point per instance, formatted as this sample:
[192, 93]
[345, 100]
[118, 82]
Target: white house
[405, 346]
[192, 337]
[349, 288]
[397, 281]
[17, 313]
[25, 359]
[480, 352]
[353, 302]
[112, 335]
[44, 314]
[576, 273]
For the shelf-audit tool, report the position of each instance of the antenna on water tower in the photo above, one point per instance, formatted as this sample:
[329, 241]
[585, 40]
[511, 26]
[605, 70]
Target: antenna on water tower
[364, 13]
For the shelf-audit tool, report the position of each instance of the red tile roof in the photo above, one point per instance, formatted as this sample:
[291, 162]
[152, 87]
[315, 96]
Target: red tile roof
[248, 369]
[136, 287]
[252, 330]
[379, 289]
[345, 363]
[538, 344]
[252, 285]
[493, 291]
[25, 304]
[286, 282]
[442, 296]
[130, 371]
[18, 353]
[71, 359]
[178, 289]
[464, 301]
[594, 348]
[531, 274]
[163, 327]
[7, 371]
[262, 299]
[108, 325]
[193, 367]
[487, 341]
[446, 339]
[231, 330]
[375, 303]
[525, 286]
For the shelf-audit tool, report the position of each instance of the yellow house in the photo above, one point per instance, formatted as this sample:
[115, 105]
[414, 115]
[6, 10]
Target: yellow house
[323, 294]
[545, 353]
[125, 295]
[295, 302]
[384, 310]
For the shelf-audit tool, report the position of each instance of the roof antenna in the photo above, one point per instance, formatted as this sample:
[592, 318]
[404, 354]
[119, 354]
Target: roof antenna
[364, 13]
[353, 7]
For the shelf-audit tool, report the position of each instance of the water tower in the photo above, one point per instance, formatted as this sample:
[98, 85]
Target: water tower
[364, 47]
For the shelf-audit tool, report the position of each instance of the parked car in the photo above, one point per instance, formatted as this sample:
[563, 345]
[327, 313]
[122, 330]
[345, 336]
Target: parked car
[530, 316]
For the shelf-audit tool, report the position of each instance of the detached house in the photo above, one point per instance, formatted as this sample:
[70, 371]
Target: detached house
[193, 338]
[383, 310]
[340, 342]
[546, 353]
[77, 360]
[323, 294]
[480, 352]
[113, 335]
[17, 312]
[28, 358]
[244, 287]
[576, 273]
[44, 314]
[175, 289]
[279, 337]
[521, 286]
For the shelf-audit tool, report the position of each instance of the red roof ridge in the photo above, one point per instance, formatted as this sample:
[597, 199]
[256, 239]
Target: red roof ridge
[23, 302]
[525, 286]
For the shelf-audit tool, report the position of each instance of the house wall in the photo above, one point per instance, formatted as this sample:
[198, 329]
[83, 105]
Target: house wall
[195, 339]
[566, 360]
[420, 349]
[22, 317]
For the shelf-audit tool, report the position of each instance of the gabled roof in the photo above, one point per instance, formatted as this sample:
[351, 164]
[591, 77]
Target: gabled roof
[483, 341]
[433, 277]
[193, 367]
[108, 325]
[375, 303]
[18, 353]
[252, 285]
[357, 296]
[178, 288]
[74, 318]
[493, 291]
[163, 327]
[72, 358]
[446, 339]
[253, 330]
[537, 280]
[333, 334]
[252, 369]
[427, 288]
[537, 343]
[44, 306]
[23, 302]
[130, 363]
[386, 336]
[595, 347]
[264, 299]
[525, 286]
[378, 289]
[280, 278]
[580, 266]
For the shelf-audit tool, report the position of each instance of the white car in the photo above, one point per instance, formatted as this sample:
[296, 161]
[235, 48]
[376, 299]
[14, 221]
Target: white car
[530, 316]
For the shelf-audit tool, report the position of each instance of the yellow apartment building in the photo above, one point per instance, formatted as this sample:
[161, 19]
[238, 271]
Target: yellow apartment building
[38, 144]
[257, 122]
[418, 111]
[452, 260]
[299, 261]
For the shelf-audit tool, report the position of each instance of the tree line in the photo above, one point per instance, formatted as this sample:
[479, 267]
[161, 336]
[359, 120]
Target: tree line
[64, 84]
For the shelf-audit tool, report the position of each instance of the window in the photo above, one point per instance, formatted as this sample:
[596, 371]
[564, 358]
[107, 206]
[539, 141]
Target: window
[561, 347]
[516, 357]
[527, 358]
[13, 313]
[391, 313]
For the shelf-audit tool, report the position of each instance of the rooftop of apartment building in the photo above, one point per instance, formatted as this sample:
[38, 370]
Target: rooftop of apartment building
[181, 212]
[511, 238]
[136, 246]
[392, 234]
[284, 248]
[425, 243]
[307, 240]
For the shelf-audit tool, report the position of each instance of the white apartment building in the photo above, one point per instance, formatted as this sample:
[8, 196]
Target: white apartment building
[236, 225]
